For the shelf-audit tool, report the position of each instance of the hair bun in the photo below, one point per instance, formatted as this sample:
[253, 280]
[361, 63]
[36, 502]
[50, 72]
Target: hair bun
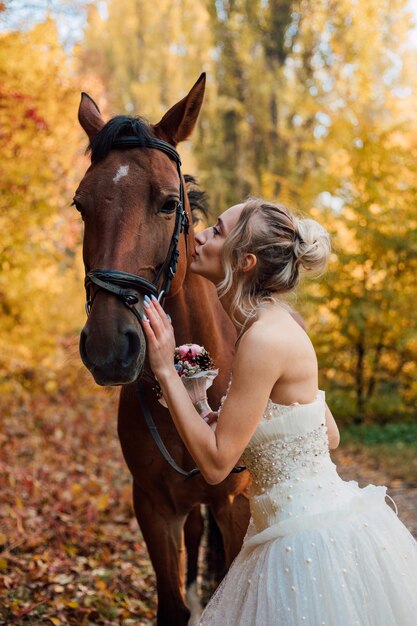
[312, 245]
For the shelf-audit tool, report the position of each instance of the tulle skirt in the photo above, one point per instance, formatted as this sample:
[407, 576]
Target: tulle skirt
[354, 566]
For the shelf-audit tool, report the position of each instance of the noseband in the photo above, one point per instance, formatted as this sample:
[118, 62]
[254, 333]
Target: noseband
[128, 287]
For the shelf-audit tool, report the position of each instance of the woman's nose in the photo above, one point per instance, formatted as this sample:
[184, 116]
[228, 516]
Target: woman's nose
[201, 237]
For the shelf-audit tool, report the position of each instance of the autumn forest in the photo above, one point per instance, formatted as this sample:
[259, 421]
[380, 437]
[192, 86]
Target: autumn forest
[312, 104]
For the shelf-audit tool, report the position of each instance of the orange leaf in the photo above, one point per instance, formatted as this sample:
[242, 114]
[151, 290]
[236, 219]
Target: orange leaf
[102, 502]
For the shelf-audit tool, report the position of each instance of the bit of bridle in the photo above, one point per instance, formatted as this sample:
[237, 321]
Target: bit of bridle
[128, 287]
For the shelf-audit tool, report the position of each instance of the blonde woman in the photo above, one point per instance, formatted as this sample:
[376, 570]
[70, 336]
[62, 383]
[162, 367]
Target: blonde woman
[319, 551]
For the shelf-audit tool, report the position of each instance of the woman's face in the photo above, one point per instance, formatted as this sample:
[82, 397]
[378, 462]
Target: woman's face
[206, 260]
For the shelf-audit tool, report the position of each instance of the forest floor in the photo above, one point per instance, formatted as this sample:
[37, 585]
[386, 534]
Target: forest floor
[70, 549]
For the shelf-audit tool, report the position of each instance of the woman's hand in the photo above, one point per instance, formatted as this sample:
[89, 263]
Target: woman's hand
[159, 336]
[211, 420]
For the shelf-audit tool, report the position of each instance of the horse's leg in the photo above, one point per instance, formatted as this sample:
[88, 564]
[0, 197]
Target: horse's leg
[163, 531]
[214, 562]
[232, 518]
[193, 532]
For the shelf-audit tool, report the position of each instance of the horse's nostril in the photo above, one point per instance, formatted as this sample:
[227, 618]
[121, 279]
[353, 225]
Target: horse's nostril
[83, 350]
[132, 346]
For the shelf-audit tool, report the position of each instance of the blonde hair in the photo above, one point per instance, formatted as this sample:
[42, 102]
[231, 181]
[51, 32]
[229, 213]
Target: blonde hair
[283, 245]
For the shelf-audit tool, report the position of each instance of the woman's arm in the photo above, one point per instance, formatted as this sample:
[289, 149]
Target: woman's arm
[216, 453]
[255, 370]
[332, 430]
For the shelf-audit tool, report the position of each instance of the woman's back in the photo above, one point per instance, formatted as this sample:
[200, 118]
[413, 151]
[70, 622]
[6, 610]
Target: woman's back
[295, 362]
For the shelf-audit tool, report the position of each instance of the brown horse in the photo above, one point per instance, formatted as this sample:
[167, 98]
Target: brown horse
[128, 199]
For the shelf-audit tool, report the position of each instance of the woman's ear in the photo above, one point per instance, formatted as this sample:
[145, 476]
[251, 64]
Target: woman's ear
[249, 262]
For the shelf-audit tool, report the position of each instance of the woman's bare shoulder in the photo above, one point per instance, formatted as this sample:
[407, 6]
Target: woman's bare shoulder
[276, 336]
[261, 338]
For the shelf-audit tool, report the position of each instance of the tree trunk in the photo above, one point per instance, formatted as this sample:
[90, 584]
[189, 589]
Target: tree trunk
[360, 380]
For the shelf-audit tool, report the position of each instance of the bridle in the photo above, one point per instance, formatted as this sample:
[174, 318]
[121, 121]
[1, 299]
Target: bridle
[128, 287]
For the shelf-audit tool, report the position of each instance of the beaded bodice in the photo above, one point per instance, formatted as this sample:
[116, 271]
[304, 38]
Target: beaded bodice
[288, 449]
[290, 441]
[279, 459]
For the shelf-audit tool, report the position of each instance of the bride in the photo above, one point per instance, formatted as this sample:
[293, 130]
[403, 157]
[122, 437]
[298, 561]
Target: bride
[319, 551]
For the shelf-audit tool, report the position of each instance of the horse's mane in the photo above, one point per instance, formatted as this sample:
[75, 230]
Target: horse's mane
[197, 199]
[125, 125]
[119, 126]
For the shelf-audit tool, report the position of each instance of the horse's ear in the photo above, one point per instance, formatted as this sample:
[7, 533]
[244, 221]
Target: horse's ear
[89, 116]
[178, 123]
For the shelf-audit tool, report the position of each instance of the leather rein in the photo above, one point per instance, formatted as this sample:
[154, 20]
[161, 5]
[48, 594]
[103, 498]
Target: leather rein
[129, 287]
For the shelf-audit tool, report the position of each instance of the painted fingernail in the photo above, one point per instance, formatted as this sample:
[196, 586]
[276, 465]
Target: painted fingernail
[146, 304]
[145, 319]
[146, 299]
[169, 317]
[153, 298]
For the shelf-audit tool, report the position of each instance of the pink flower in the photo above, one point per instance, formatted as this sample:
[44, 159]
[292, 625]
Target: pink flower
[195, 349]
[183, 349]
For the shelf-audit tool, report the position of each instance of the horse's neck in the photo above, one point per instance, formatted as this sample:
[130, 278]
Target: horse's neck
[199, 317]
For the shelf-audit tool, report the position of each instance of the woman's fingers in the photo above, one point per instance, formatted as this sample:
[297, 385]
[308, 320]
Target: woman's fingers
[159, 335]
[154, 318]
[157, 316]
[159, 325]
[147, 329]
[210, 418]
[165, 319]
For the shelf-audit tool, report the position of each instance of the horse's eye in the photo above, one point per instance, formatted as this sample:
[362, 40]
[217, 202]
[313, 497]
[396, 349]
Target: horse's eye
[78, 206]
[170, 206]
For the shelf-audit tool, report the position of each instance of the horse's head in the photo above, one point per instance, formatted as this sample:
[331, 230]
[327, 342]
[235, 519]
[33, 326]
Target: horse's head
[129, 200]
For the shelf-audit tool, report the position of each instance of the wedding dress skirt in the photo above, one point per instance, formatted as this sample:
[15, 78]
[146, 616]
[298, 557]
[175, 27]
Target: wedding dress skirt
[319, 551]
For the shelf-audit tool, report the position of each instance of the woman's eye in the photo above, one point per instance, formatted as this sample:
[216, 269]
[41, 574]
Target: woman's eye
[215, 230]
[170, 206]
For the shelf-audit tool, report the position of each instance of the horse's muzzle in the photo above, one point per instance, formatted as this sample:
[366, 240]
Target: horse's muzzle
[116, 360]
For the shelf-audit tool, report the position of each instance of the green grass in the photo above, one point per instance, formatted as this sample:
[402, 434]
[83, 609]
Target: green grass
[397, 433]
[391, 449]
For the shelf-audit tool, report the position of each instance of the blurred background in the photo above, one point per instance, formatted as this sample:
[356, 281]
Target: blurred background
[309, 103]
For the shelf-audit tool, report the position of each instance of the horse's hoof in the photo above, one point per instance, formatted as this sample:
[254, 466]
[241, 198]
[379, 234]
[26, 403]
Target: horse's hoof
[194, 604]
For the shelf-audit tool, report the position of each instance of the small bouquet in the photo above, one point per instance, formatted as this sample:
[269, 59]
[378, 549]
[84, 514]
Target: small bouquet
[196, 369]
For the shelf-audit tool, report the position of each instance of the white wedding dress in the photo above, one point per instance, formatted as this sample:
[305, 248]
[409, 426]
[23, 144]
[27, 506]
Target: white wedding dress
[319, 551]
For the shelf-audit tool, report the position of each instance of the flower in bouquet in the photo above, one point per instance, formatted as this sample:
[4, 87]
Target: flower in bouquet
[191, 358]
[196, 370]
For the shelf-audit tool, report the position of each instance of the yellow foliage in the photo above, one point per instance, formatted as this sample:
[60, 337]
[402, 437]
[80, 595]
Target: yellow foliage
[40, 291]
[326, 123]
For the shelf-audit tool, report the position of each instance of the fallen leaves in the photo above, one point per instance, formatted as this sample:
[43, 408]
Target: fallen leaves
[71, 552]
